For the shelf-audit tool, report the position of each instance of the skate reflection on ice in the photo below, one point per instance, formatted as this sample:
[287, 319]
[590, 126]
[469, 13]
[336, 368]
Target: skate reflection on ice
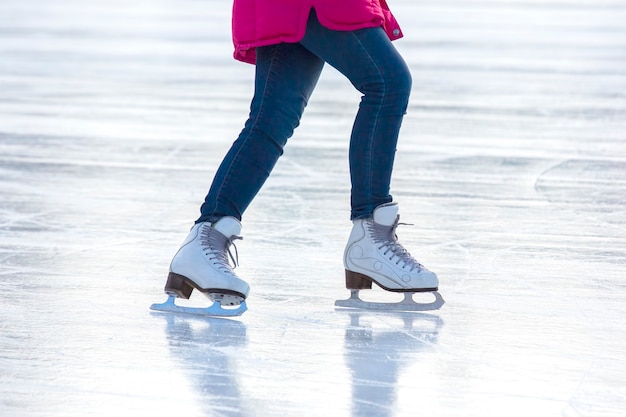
[376, 358]
[199, 347]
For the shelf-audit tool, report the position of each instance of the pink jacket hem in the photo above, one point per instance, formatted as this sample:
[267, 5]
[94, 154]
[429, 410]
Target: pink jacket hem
[255, 26]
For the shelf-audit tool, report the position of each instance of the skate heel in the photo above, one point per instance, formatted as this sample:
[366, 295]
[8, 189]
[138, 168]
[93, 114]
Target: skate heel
[178, 286]
[356, 281]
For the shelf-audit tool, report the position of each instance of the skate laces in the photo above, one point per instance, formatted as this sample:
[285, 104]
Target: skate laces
[217, 248]
[387, 239]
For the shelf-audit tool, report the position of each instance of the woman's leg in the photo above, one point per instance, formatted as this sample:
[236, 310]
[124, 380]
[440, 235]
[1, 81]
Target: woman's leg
[286, 75]
[373, 253]
[372, 64]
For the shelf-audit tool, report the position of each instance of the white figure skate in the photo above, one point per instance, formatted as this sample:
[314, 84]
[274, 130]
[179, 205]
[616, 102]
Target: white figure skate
[373, 254]
[202, 263]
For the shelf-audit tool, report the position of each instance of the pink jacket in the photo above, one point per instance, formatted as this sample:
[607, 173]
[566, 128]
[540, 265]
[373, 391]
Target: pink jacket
[268, 22]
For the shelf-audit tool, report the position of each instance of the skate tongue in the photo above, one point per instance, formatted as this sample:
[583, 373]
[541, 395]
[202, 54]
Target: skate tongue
[386, 214]
[228, 226]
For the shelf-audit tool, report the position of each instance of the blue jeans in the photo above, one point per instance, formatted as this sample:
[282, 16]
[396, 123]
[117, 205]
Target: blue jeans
[286, 75]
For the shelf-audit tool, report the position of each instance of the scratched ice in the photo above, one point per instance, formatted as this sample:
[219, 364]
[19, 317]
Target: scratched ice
[511, 167]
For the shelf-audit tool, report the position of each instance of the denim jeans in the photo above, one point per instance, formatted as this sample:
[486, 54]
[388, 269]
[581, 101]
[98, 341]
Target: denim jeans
[286, 75]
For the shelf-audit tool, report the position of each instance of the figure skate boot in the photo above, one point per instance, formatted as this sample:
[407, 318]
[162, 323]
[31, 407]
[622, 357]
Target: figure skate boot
[373, 254]
[202, 263]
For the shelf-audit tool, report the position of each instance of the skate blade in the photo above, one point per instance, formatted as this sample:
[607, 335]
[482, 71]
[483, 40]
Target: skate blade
[407, 304]
[215, 310]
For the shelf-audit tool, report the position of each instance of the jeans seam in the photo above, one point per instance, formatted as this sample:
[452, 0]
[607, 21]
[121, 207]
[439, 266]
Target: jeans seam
[376, 122]
[247, 137]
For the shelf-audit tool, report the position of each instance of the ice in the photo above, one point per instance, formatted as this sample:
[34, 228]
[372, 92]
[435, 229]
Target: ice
[511, 166]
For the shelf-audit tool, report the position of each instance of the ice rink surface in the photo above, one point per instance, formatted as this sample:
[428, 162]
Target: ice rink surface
[511, 167]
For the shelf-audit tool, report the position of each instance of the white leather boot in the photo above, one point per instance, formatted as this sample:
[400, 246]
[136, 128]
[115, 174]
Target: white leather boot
[373, 254]
[202, 263]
